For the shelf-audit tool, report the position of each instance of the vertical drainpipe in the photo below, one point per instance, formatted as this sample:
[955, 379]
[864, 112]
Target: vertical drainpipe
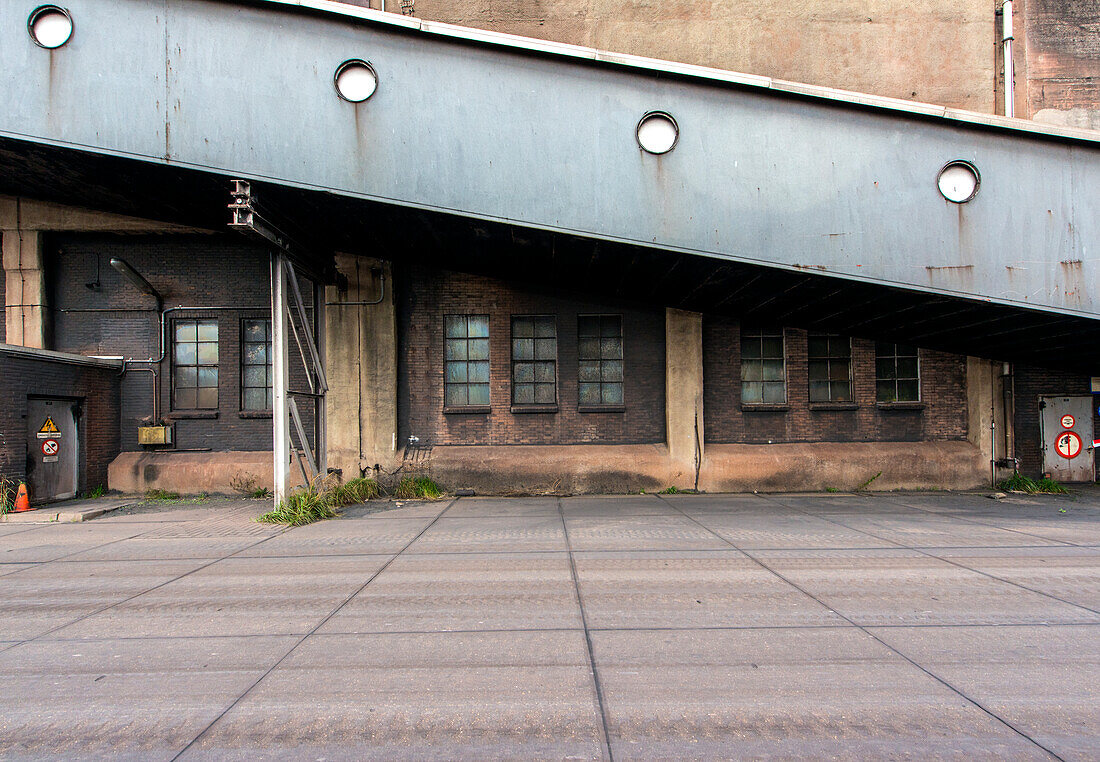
[1010, 73]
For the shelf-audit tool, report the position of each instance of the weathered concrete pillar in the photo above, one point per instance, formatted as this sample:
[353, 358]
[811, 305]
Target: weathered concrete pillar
[25, 317]
[986, 414]
[361, 362]
[684, 394]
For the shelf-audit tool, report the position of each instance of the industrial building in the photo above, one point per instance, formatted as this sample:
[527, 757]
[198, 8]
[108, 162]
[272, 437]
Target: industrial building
[356, 238]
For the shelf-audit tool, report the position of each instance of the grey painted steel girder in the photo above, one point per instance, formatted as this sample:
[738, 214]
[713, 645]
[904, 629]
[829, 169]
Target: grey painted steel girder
[543, 135]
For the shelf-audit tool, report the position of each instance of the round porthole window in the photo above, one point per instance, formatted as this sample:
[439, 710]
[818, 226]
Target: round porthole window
[50, 26]
[959, 181]
[355, 80]
[658, 132]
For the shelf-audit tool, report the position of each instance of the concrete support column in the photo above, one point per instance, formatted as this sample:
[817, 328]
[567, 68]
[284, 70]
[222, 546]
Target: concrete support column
[25, 317]
[361, 361]
[684, 395]
[987, 420]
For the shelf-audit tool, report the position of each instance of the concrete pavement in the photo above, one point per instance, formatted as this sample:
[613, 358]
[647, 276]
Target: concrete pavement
[679, 626]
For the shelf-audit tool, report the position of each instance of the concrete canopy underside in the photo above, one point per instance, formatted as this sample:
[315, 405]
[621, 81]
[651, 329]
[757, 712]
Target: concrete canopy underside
[811, 209]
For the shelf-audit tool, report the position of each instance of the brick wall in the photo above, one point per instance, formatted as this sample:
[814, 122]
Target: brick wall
[425, 296]
[1030, 384]
[189, 270]
[942, 416]
[96, 389]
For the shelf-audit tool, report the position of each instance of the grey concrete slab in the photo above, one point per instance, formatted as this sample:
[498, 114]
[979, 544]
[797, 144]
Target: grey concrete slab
[6, 569]
[515, 695]
[730, 504]
[601, 506]
[785, 530]
[123, 699]
[236, 596]
[922, 530]
[57, 541]
[1043, 680]
[640, 532]
[50, 596]
[465, 592]
[151, 548]
[342, 537]
[830, 693]
[482, 507]
[1069, 573]
[486, 535]
[881, 587]
[680, 590]
[396, 509]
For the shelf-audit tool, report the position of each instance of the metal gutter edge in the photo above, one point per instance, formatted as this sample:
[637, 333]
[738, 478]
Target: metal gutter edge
[61, 357]
[659, 66]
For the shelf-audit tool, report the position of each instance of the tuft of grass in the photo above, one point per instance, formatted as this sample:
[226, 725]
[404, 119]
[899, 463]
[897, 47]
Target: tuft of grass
[1020, 483]
[302, 507]
[161, 494]
[8, 489]
[672, 490]
[320, 501]
[95, 492]
[867, 483]
[411, 488]
[358, 490]
[831, 489]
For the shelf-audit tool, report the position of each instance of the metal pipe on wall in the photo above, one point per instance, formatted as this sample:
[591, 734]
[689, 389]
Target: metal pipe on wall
[1010, 73]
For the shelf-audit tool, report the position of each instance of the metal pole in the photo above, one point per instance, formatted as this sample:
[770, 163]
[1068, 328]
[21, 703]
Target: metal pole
[321, 447]
[280, 420]
[1010, 73]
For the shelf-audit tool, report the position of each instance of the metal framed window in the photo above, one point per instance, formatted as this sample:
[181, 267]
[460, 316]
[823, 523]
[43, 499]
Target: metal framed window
[256, 375]
[194, 364]
[534, 360]
[763, 367]
[466, 360]
[897, 373]
[829, 366]
[600, 357]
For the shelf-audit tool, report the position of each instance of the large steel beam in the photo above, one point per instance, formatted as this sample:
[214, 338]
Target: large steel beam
[542, 135]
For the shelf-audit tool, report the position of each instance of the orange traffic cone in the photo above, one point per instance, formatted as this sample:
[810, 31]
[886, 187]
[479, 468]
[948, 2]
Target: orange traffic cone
[22, 502]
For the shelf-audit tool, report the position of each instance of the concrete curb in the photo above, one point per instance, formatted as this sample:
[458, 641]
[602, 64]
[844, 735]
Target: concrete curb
[50, 514]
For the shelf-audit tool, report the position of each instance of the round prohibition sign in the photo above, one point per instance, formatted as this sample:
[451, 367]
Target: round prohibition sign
[50, 447]
[1068, 444]
[1068, 421]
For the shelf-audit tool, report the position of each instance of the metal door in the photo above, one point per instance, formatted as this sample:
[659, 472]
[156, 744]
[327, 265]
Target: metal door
[53, 460]
[1066, 426]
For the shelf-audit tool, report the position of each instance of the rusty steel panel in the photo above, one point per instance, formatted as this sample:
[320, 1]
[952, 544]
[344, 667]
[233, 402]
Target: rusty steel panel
[547, 139]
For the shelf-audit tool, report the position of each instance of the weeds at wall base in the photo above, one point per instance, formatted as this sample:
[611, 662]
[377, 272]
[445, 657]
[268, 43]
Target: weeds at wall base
[322, 500]
[1020, 483]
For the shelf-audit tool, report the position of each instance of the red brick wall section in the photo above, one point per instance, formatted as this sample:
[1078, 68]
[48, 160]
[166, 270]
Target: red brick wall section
[425, 296]
[943, 393]
[204, 270]
[96, 388]
[1030, 384]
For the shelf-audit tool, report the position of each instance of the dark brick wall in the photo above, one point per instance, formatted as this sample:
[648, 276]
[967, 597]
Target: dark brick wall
[1030, 384]
[96, 389]
[194, 271]
[425, 296]
[943, 393]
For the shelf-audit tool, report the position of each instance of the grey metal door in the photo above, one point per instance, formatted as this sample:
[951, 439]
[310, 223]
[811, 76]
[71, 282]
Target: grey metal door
[53, 460]
[1066, 426]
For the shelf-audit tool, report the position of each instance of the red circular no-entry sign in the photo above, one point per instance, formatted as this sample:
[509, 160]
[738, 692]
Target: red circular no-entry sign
[50, 447]
[1068, 444]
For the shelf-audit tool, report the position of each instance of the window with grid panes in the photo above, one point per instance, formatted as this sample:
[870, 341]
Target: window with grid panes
[534, 360]
[763, 367]
[600, 355]
[256, 376]
[829, 366]
[466, 360]
[897, 373]
[194, 364]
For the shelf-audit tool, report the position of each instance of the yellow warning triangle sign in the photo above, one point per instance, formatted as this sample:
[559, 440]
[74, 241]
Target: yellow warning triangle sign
[49, 427]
